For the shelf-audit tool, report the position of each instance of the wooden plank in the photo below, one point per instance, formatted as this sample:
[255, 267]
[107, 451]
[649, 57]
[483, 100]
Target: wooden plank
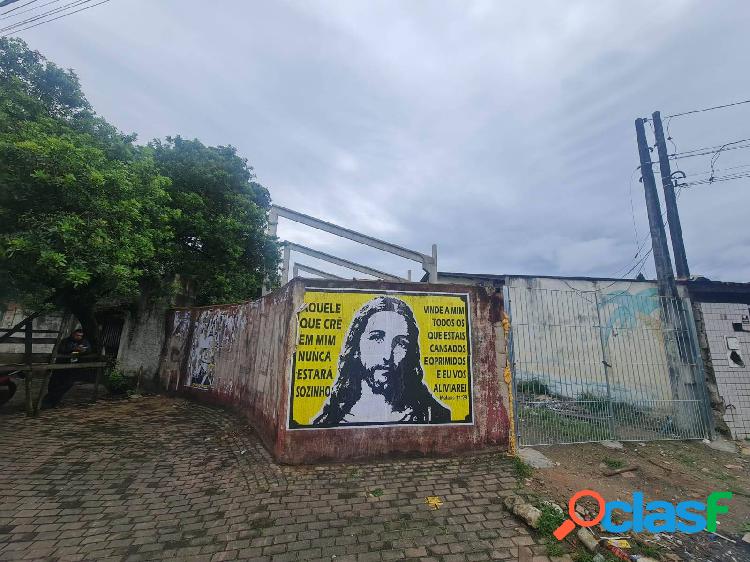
[53, 359]
[27, 359]
[35, 341]
[32, 331]
[52, 367]
[17, 327]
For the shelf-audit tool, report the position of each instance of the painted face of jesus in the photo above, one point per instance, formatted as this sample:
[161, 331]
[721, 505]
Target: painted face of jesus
[382, 348]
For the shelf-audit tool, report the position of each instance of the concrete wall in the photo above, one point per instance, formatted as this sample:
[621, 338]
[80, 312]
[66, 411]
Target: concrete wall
[141, 342]
[557, 339]
[10, 315]
[727, 325]
[242, 355]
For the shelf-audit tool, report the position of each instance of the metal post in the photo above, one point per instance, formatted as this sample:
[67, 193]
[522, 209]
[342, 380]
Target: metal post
[507, 304]
[28, 357]
[670, 201]
[607, 367]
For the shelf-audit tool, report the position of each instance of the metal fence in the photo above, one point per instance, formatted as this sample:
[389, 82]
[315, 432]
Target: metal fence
[589, 366]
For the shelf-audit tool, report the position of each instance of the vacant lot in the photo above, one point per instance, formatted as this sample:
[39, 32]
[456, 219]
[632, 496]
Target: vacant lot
[667, 470]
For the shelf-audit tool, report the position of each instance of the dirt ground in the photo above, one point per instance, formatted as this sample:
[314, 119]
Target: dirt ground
[666, 470]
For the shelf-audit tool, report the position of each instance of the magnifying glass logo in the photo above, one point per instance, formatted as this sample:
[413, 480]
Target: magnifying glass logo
[570, 524]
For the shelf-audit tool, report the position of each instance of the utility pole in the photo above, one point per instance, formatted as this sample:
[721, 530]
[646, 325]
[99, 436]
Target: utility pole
[662, 260]
[673, 217]
[681, 376]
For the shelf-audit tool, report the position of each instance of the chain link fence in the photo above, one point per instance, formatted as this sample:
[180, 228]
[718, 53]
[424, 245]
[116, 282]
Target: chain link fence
[591, 366]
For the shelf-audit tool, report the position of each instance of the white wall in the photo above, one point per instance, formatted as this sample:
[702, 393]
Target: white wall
[557, 338]
[732, 380]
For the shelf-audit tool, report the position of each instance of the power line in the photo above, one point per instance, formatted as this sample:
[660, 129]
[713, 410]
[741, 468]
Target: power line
[37, 17]
[711, 180]
[29, 10]
[21, 6]
[709, 172]
[59, 17]
[723, 148]
[707, 109]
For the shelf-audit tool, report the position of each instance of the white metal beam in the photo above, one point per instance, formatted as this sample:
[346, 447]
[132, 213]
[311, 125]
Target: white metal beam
[341, 262]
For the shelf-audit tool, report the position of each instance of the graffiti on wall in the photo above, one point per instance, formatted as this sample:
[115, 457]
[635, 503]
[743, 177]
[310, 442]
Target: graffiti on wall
[381, 358]
[628, 309]
[214, 330]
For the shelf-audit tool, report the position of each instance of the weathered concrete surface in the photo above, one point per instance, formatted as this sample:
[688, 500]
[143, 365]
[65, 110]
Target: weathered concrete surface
[141, 342]
[245, 348]
[249, 348]
[534, 458]
[168, 479]
[490, 426]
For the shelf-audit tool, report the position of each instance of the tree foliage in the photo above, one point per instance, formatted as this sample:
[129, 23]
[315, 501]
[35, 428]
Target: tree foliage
[221, 245]
[87, 216]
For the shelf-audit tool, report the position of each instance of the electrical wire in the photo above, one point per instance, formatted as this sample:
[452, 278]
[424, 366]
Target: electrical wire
[19, 7]
[710, 172]
[43, 15]
[59, 17]
[723, 148]
[707, 109]
[30, 9]
[711, 180]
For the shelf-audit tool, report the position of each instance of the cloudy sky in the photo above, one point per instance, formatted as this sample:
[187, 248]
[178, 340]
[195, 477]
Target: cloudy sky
[501, 131]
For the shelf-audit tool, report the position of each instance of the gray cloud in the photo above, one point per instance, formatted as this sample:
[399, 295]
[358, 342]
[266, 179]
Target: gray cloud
[503, 132]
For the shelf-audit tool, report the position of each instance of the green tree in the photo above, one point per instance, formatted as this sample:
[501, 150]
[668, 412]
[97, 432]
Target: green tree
[220, 241]
[82, 212]
[87, 217]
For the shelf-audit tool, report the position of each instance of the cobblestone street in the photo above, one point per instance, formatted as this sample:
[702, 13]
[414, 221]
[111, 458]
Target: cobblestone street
[160, 478]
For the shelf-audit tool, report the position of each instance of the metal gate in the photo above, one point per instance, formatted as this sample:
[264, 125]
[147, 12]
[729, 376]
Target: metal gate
[590, 366]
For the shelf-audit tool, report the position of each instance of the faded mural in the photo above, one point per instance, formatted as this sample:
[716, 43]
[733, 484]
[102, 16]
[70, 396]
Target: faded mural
[365, 358]
[214, 330]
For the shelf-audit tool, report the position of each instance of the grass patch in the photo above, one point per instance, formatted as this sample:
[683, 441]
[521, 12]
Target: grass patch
[522, 469]
[582, 555]
[532, 386]
[649, 550]
[550, 520]
[555, 548]
[593, 403]
[685, 459]
[558, 428]
[377, 492]
[614, 464]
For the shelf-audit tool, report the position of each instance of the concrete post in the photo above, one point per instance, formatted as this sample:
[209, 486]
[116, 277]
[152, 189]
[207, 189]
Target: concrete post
[285, 265]
[433, 267]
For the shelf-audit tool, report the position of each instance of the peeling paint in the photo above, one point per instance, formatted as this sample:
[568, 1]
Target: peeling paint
[246, 352]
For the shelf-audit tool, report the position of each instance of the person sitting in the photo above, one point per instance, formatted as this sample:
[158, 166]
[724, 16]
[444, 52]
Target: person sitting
[70, 350]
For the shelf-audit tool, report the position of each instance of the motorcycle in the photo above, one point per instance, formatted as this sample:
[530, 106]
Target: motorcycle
[7, 387]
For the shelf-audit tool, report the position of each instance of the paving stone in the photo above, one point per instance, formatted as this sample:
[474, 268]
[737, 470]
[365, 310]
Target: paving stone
[163, 479]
